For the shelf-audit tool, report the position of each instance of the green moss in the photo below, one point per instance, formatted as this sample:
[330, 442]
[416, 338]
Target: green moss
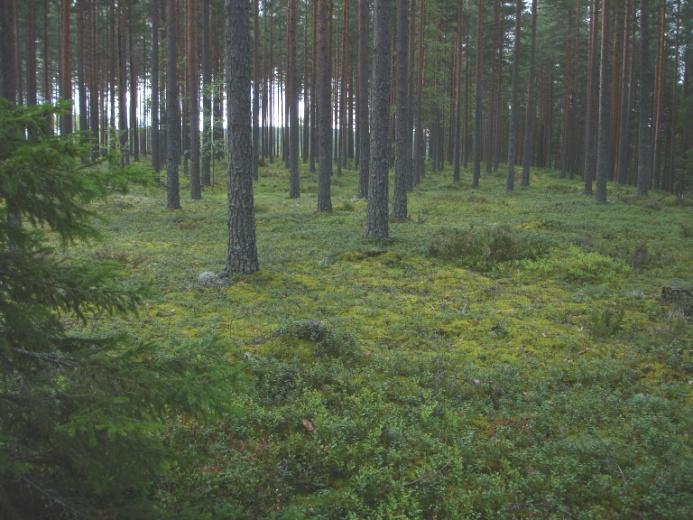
[478, 375]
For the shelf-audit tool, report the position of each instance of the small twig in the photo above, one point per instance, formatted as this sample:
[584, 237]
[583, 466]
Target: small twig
[430, 475]
[46, 357]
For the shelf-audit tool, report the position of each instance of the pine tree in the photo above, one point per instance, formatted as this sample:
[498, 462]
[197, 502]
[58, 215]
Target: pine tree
[362, 102]
[323, 107]
[403, 150]
[242, 250]
[172, 116]
[377, 214]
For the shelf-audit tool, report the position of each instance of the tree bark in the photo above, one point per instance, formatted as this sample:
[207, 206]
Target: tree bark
[377, 214]
[292, 99]
[603, 150]
[362, 104]
[528, 152]
[324, 100]
[193, 91]
[172, 117]
[403, 149]
[242, 250]
[645, 102]
[592, 89]
[514, 108]
[476, 166]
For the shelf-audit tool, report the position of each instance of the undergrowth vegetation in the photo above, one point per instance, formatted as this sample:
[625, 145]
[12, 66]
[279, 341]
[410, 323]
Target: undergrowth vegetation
[503, 356]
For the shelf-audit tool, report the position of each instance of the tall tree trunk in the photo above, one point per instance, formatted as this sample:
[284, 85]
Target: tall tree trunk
[476, 167]
[528, 152]
[242, 250]
[81, 71]
[305, 144]
[592, 90]
[172, 117]
[645, 103]
[122, 84]
[324, 100]
[403, 130]
[377, 214]
[206, 156]
[65, 65]
[362, 104]
[419, 138]
[30, 54]
[156, 153]
[94, 91]
[657, 156]
[193, 90]
[455, 121]
[514, 108]
[256, 87]
[292, 100]
[134, 138]
[624, 115]
[603, 150]
[314, 92]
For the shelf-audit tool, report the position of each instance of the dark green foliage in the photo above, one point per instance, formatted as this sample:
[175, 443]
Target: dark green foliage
[484, 247]
[327, 341]
[81, 416]
[606, 322]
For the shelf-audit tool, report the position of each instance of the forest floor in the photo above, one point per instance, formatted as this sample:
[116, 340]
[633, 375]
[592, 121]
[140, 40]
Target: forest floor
[434, 375]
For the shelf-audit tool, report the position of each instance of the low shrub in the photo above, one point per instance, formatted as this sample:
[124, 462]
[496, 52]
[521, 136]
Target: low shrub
[484, 247]
[327, 341]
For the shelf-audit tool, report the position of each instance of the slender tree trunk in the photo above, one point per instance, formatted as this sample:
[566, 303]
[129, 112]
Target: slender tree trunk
[172, 118]
[476, 168]
[528, 153]
[256, 88]
[314, 92]
[122, 84]
[657, 155]
[193, 91]
[455, 122]
[242, 250]
[65, 65]
[514, 108]
[292, 99]
[419, 138]
[624, 117]
[156, 153]
[645, 103]
[305, 144]
[206, 155]
[603, 150]
[377, 214]
[134, 138]
[30, 54]
[362, 104]
[403, 149]
[324, 100]
[592, 89]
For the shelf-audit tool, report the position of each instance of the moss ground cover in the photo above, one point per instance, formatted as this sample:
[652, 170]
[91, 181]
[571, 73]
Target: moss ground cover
[383, 380]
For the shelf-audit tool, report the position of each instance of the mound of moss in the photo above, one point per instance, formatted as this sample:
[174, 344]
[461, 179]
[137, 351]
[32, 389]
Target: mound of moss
[483, 247]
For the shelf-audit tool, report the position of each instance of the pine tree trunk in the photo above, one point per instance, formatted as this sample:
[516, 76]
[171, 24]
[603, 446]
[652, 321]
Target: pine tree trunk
[256, 88]
[122, 84]
[645, 103]
[603, 150]
[206, 147]
[134, 139]
[514, 108]
[528, 153]
[292, 99]
[193, 91]
[403, 130]
[172, 119]
[592, 89]
[377, 214]
[242, 250]
[622, 162]
[362, 103]
[476, 167]
[30, 54]
[65, 65]
[324, 100]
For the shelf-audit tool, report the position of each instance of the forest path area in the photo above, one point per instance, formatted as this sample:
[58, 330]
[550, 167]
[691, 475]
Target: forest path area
[502, 350]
